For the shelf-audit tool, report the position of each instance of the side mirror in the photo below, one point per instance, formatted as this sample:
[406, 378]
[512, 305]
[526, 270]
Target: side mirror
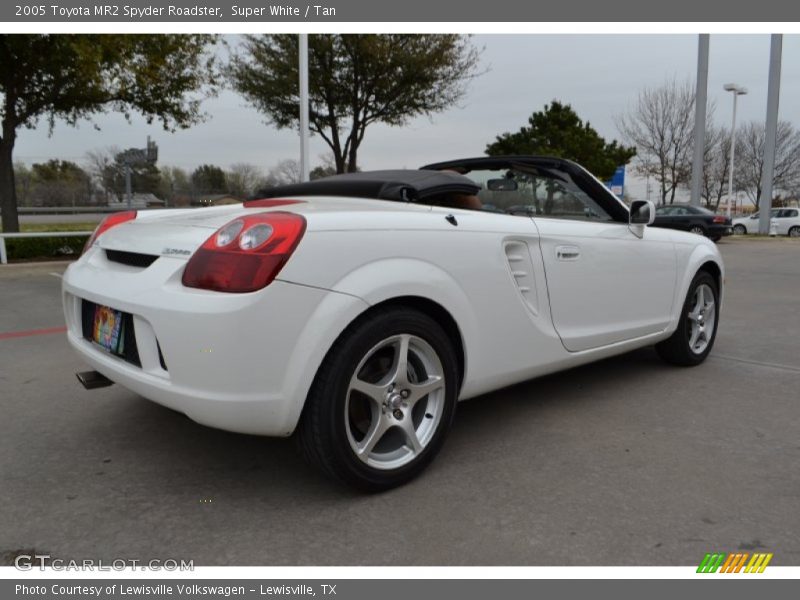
[643, 212]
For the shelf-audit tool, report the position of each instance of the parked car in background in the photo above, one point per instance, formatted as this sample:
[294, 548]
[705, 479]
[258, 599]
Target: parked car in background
[749, 224]
[693, 219]
[786, 220]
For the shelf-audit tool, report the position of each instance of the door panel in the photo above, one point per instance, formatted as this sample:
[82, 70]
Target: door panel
[611, 286]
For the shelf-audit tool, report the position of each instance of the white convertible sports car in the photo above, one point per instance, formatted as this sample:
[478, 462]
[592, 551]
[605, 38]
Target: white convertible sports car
[356, 310]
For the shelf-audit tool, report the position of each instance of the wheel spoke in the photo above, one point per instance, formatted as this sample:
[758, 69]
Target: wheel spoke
[377, 429]
[400, 367]
[420, 390]
[694, 337]
[373, 391]
[407, 425]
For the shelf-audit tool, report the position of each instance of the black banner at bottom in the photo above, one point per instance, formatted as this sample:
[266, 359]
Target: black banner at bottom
[400, 589]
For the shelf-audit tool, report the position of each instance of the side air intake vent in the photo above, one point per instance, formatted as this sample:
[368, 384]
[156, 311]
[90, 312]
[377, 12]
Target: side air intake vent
[519, 260]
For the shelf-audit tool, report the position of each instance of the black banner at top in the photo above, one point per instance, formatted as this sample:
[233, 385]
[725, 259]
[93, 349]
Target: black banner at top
[454, 11]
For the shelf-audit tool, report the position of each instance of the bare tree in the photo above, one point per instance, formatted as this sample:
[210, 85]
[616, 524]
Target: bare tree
[661, 126]
[716, 165]
[99, 165]
[174, 186]
[243, 179]
[285, 172]
[750, 162]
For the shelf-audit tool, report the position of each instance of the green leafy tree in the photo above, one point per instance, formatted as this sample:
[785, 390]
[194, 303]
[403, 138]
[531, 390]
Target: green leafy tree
[60, 183]
[559, 131]
[72, 77]
[321, 171]
[209, 179]
[354, 81]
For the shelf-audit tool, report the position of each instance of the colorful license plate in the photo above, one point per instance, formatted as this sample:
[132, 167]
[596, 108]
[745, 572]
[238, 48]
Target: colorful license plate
[108, 330]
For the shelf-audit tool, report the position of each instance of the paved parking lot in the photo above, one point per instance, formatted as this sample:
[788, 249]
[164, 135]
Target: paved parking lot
[624, 462]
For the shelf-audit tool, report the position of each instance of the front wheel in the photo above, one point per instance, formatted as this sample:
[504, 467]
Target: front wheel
[382, 401]
[739, 230]
[794, 231]
[692, 341]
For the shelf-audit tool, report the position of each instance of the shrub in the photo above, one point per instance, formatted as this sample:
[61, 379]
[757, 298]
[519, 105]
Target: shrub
[44, 247]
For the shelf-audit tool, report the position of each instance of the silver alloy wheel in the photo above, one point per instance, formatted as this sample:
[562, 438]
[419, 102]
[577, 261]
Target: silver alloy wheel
[395, 401]
[794, 232]
[697, 229]
[702, 319]
[739, 230]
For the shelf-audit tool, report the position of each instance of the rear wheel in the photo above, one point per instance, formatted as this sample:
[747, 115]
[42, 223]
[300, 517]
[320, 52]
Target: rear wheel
[697, 229]
[382, 402]
[794, 231]
[693, 339]
[739, 230]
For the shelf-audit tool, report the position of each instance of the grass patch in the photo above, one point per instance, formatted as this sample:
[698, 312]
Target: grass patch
[36, 227]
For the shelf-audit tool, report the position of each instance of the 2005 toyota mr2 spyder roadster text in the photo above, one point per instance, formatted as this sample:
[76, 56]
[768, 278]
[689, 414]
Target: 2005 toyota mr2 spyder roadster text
[355, 311]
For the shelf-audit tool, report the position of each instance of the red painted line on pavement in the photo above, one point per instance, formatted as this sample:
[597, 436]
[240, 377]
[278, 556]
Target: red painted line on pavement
[30, 332]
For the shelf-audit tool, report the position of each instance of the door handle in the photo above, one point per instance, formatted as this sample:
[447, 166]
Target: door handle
[568, 252]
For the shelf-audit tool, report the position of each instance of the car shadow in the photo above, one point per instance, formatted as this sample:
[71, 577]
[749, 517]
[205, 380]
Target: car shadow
[183, 454]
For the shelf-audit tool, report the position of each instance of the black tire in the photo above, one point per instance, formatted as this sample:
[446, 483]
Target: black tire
[740, 230]
[322, 433]
[698, 229]
[794, 231]
[716, 238]
[676, 349]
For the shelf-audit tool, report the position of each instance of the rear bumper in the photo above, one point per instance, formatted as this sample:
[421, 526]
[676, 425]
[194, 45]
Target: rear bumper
[720, 230]
[239, 362]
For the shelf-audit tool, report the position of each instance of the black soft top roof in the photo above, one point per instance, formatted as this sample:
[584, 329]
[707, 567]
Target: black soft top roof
[401, 184]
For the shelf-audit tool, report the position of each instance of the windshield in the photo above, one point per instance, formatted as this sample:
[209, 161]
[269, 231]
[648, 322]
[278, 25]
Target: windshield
[530, 192]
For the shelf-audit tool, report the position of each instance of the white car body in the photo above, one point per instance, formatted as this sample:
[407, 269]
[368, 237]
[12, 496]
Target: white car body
[529, 296]
[784, 219]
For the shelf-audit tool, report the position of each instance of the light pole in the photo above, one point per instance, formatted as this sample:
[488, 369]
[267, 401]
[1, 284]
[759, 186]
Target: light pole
[737, 91]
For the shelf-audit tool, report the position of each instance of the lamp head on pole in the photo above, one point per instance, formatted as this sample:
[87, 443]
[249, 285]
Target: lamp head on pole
[739, 90]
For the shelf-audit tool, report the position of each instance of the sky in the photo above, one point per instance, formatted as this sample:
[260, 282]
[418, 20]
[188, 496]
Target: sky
[599, 75]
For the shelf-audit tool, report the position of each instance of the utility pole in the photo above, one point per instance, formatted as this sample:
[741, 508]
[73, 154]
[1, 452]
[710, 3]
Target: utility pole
[736, 90]
[128, 191]
[700, 103]
[303, 70]
[773, 96]
[139, 157]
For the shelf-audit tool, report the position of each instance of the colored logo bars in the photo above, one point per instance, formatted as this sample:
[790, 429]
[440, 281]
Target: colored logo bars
[734, 562]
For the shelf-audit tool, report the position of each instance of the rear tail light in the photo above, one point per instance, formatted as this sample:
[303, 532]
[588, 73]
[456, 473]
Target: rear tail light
[246, 254]
[719, 219]
[107, 223]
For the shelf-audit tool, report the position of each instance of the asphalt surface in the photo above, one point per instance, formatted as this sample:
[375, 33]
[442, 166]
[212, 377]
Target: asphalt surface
[623, 462]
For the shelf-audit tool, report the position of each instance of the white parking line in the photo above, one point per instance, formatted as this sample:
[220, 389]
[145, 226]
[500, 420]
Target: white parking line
[756, 363]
